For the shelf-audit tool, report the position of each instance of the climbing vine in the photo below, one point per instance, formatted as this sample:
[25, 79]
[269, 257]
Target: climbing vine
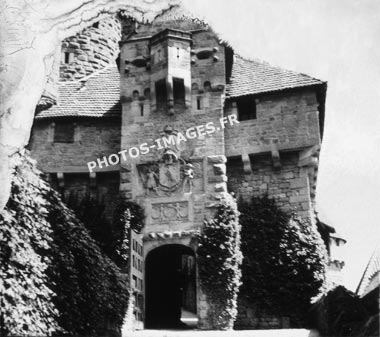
[284, 259]
[127, 215]
[219, 260]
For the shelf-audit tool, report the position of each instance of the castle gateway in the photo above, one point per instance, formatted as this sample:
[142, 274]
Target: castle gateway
[168, 77]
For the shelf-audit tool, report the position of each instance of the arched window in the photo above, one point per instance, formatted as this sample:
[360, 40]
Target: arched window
[147, 93]
[207, 86]
[135, 94]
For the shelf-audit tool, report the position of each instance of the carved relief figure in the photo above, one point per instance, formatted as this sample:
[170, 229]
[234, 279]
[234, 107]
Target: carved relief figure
[188, 177]
[151, 181]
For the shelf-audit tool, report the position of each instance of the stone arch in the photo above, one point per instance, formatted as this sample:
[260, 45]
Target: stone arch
[170, 285]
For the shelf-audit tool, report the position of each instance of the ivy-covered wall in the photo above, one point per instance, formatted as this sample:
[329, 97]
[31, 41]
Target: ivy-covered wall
[219, 259]
[53, 275]
[283, 266]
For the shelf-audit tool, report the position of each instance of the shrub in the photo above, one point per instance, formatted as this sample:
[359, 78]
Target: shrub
[26, 305]
[284, 259]
[219, 260]
[53, 276]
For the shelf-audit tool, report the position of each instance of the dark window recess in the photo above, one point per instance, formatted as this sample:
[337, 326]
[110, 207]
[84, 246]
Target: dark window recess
[161, 93]
[199, 105]
[67, 57]
[178, 90]
[207, 86]
[204, 54]
[142, 110]
[246, 109]
[64, 132]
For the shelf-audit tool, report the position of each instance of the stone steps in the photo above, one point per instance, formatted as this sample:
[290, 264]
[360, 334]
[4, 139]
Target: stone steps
[235, 333]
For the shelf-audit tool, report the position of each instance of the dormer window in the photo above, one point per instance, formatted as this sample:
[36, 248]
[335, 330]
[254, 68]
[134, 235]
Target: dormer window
[246, 109]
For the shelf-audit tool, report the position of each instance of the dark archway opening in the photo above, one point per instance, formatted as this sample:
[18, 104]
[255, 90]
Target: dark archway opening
[170, 288]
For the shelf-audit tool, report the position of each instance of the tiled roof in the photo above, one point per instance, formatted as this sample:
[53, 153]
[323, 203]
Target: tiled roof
[98, 95]
[254, 77]
[372, 270]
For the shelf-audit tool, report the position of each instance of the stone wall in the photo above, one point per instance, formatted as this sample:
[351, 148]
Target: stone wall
[284, 121]
[93, 138]
[92, 49]
[288, 184]
[104, 189]
[251, 317]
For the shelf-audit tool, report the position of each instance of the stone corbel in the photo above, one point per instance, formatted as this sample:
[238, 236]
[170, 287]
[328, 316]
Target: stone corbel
[51, 132]
[92, 179]
[61, 179]
[246, 163]
[77, 136]
[309, 157]
[276, 160]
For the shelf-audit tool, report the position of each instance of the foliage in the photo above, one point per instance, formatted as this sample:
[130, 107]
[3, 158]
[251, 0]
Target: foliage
[89, 287]
[340, 312]
[25, 237]
[219, 260]
[127, 215]
[111, 237]
[284, 259]
[52, 271]
[90, 210]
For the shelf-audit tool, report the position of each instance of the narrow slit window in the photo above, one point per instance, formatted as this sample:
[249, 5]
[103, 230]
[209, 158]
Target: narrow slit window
[199, 105]
[246, 109]
[68, 57]
[142, 110]
[178, 90]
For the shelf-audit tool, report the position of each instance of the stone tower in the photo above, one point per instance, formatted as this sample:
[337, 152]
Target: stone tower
[173, 80]
[93, 49]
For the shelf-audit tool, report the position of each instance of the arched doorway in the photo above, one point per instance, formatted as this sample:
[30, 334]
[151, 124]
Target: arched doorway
[170, 287]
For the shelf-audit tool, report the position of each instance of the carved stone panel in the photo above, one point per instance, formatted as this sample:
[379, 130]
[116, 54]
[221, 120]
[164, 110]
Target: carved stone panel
[170, 211]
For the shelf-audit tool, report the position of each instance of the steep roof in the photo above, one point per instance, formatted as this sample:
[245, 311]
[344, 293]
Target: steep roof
[371, 272]
[97, 95]
[251, 77]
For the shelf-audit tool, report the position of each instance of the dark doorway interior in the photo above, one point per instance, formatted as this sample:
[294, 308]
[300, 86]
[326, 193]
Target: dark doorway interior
[170, 287]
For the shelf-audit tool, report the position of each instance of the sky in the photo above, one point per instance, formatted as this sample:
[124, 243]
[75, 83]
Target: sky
[339, 42]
